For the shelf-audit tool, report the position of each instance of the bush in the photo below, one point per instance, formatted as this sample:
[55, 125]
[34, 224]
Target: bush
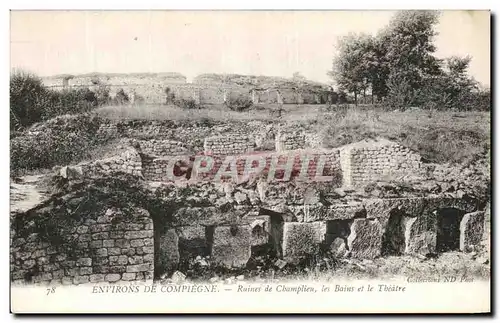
[102, 95]
[187, 104]
[28, 99]
[239, 103]
[121, 98]
[69, 101]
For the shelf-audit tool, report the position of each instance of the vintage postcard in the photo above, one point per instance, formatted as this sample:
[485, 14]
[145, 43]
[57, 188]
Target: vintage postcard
[250, 161]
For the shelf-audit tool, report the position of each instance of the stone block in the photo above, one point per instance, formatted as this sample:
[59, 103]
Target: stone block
[365, 240]
[116, 269]
[122, 260]
[232, 245]
[302, 239]
[102, 252]
[100, 235]
[84, 262]
[136, 243]
[80, 280]
[112, 277]
[108, 243]
[96, 278]
[471, 230]
[114, 251]
[95, 244]
[420, 234]
[139, 268]
[128, 276]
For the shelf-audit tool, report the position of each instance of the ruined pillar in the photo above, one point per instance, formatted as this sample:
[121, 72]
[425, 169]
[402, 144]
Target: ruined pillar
[420, 234]
[471, 231]
[255, 97]
[365, 240]
[302, 239]
[279, 99]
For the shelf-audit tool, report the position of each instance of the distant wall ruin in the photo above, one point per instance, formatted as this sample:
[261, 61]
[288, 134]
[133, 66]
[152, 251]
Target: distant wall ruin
[154, 90]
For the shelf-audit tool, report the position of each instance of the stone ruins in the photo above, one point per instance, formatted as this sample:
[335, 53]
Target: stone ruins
[229, 220]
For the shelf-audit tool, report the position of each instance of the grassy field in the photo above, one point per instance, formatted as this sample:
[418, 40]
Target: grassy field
[440, 136]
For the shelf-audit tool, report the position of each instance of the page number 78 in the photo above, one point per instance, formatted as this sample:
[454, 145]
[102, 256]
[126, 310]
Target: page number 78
[51, 290]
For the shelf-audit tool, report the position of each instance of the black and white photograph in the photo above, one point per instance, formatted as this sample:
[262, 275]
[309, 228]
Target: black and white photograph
[257, 161]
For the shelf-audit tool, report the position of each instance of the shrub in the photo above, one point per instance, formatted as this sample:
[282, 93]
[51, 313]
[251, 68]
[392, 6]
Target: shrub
[239, 103]
[187, 104]
[28, 99]
[69, 101]
[102, 94]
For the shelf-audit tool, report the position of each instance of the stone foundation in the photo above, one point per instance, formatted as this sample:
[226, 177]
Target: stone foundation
[111, 249]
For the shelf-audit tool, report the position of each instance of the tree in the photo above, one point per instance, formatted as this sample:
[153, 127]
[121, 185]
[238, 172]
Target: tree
[453, 88]
[353, 64]
[408, 52]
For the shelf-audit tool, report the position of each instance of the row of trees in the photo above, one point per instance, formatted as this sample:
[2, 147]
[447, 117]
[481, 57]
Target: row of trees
[398, 67]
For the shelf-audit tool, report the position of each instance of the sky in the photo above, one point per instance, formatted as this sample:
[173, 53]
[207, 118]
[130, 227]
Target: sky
[273, 43]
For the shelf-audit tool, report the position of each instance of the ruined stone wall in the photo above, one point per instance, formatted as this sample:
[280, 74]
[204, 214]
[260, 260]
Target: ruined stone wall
[104, 248]
[213, 95]
[128, 161]
[165, 169]
[229, 145]
[291, 140]
[163, 147]
[190, 135]
[372, 161]
[360, 163]
[152, 88]
[258, 165]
